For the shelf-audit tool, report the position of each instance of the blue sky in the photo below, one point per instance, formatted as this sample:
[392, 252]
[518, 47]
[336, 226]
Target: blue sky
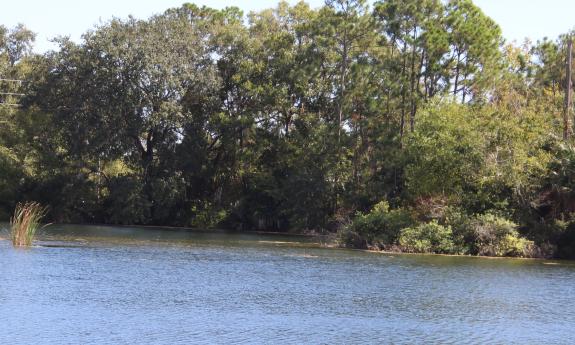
[519, 19]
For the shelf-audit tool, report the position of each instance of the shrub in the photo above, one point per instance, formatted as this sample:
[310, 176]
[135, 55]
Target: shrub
[491, 235]
[380, 227]
[565, 238]
[25, 223]
[350, 239]
[427, 238]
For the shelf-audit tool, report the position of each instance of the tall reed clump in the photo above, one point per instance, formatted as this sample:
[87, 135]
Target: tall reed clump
[25, 223]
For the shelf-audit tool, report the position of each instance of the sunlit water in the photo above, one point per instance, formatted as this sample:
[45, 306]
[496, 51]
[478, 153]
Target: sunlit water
[104, 285]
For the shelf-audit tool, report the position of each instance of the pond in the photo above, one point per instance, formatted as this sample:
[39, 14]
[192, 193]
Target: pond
[119, 285]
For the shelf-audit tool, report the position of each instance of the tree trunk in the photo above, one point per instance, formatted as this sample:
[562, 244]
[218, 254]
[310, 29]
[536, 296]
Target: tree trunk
[568, 91]
[342, 88]
[456, 84]
[412, 82]
[403, 81]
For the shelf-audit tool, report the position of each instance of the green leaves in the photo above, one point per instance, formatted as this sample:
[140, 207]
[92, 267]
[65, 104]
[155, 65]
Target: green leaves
[289, 118]
[428, 238]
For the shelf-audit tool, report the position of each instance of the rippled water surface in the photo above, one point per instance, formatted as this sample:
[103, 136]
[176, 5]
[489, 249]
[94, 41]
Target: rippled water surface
[105, 285]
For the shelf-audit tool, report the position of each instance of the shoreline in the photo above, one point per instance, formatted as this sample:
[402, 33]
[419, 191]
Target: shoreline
[383, 252]
[190, 229]
[321, 244]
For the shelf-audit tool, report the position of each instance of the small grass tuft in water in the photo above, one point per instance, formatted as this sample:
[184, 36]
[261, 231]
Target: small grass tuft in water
[25, 223]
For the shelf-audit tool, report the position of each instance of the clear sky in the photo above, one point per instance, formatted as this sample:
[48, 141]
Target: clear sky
[518, 18]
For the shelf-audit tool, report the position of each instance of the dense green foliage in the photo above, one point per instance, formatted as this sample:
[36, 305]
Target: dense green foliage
[428, 238]
[490, 235]
[409, 125]
[380, 227]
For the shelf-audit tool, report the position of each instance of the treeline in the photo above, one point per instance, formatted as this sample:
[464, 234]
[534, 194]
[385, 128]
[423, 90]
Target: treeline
[410, 124]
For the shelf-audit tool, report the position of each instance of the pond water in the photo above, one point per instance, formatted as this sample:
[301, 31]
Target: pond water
[108, 285]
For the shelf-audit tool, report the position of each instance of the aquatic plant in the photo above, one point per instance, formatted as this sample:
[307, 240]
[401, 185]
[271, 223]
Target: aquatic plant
[25, 223]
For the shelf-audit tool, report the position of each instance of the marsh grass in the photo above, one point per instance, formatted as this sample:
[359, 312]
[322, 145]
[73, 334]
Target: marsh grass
[25, 223]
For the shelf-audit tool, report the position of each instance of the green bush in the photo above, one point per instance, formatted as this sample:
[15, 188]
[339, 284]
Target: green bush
[350, 239]
[427, 238]
[380, 227]
[459, 221]
[207, 215]
[491, 235]
[564, 232]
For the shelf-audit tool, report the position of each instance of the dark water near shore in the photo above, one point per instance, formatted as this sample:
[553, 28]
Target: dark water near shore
[106, 285]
